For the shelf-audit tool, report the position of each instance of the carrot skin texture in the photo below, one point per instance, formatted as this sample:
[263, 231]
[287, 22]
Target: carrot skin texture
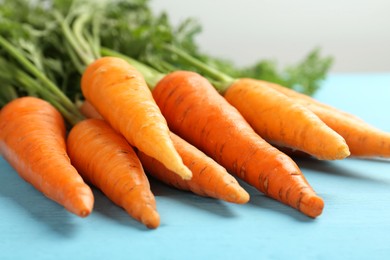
[280, 120]
[208, 177]
[196, 112]
[105, 159]
[363, 139]
[32, 140]
[120, 95]
[302, 98]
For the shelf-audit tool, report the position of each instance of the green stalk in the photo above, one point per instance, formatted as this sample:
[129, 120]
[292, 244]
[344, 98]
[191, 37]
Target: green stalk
[94, 40]
[80, 67]
[32, 84]
[78, 27]
[85, 58]
[162, 65]
[29, 88]
[7, 94]
[48, 96]
[152, 76]
[48, 85]
[37, 73]
[224, 81]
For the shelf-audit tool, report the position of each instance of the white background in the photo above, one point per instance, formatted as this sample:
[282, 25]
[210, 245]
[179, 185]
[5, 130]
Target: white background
[355, 32]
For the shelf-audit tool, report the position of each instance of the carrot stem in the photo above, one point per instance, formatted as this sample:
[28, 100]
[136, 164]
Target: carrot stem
[7, 94]
[78, 27]
[49, 85]
[225, 80]
[30, 83]
[94, 39]
[73, 41]
[153, 76]
[78, 64]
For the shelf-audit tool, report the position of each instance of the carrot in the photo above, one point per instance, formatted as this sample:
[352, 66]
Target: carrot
[303, 99]
[196, 112]
[208, 177]
[280, 120]
[120, 94]
[274, 116]
[105, 159]
[88, 110]
[363, 139]
[32, 140]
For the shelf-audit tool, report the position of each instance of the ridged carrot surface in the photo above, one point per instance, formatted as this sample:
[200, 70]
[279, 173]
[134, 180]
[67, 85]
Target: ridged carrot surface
[105, 159]
[208, 177]
[303, 99]
[120, 94]
[32, 140]
[363, 139]
[280, 120]
[195, 111]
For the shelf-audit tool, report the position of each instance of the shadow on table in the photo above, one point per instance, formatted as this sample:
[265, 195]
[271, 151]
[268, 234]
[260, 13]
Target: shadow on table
[111, 212]
[43, 211]
[349, 168]
[224, 209]
[107, 209]
[263, 203]
[189, 199]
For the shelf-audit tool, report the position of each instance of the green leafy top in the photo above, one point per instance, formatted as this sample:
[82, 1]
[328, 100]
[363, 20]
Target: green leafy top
[126, 26]
[26, 67]
[138, 33]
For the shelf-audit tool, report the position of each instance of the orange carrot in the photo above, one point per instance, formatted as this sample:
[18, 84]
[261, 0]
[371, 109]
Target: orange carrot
[105, 159]
[208, 177]
[280, 120]
[195, 111]
[89, 111]
[274, 116]
[363, 139]
[120, 94]
[301, 98]
[32, 140]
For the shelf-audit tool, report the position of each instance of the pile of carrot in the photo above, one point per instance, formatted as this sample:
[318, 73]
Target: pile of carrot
[181, 128]
[128, 140]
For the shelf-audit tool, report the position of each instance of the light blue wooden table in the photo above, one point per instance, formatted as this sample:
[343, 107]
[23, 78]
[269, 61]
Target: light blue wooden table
[355, 223]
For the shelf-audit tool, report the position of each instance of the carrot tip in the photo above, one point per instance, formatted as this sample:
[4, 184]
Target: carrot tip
[150, 218]
[344, 151]
[237, 195]
[243, 198]
[184, 173]
[341, 152]
[84, 213]
[311, 206]
[81, 205]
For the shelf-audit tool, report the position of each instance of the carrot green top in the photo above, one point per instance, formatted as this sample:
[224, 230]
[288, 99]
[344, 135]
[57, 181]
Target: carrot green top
[219, 80]
[35, 82]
